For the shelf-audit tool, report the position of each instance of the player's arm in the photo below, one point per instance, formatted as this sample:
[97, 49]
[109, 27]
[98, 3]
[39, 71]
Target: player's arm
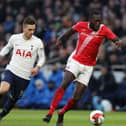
[1, 57]
[110, 35]
[41, 60]
[41, 57]
[6, 49]
[68, 33]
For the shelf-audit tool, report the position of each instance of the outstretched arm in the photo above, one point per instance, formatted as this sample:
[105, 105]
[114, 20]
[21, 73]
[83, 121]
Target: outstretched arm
[68, 33]
[110, 35]
[1, 57]
[6, 49]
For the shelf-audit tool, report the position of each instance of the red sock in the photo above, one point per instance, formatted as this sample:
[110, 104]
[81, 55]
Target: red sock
[57, 98]
[68, 106]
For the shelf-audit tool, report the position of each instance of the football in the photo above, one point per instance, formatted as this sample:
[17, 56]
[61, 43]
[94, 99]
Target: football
[96, 117]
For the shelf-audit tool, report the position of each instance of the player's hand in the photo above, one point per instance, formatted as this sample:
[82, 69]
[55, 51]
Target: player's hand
[35, 71]
[118, 45]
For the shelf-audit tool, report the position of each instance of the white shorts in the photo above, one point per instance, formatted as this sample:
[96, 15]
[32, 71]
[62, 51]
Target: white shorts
[80, 71]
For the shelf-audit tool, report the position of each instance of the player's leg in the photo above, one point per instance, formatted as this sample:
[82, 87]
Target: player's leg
[78, 92]
[6, 84]
[68, 78]
[6, 80]
[81, 83]
[4, 87]
[14, 94]
[79, 89]
[8, 105]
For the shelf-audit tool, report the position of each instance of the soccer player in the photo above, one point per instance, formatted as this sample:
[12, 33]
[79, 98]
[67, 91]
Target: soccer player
[27, 50]
[80, 64]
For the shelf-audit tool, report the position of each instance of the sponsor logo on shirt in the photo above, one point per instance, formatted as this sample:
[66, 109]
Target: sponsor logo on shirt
[90, 34]
[23, 53]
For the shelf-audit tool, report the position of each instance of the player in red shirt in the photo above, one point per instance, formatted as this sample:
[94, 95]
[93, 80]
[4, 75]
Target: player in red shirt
[80, 64]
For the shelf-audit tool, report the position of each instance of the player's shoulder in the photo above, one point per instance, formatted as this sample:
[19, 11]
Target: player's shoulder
[36, 38]
[104, 27]
[15, 36]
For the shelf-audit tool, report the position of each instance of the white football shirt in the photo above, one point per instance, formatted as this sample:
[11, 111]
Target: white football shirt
[25, 54]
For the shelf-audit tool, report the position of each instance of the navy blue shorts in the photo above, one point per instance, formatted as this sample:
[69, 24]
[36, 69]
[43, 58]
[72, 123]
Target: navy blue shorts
[18, 85]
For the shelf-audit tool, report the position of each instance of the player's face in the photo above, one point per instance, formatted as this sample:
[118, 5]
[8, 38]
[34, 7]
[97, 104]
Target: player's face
[28, 31]
[95, 22]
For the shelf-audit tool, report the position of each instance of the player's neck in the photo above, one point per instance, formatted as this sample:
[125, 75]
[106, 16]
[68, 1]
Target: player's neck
[25, 37]
[92, 27]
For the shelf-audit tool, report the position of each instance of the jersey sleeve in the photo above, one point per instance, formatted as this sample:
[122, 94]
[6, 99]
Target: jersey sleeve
[78, 26]
[109, 34]
[41, 54]
[8, 47]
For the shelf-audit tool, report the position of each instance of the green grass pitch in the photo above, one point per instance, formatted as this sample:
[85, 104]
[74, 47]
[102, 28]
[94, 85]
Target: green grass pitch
[72, 118]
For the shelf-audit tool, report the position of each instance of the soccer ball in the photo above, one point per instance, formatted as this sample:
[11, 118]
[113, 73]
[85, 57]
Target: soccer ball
[96, 117]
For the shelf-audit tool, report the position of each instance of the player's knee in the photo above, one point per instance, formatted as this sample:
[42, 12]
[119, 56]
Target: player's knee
[65, 85]
[4, 87]
[3, 90]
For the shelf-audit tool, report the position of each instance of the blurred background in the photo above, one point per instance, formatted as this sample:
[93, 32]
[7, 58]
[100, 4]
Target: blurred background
[107, 87]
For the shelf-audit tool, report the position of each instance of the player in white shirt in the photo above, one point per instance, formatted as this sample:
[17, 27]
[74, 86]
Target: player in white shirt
[28, 50]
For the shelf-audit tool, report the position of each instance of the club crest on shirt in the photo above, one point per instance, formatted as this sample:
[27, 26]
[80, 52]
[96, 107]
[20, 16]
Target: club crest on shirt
[32, 47]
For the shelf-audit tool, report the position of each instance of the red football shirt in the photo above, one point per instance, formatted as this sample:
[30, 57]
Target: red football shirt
[89, 41]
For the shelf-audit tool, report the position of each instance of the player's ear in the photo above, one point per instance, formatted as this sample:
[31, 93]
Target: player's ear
[24, 27]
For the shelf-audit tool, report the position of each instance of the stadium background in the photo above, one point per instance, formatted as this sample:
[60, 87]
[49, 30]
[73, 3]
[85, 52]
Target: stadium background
[53, 18]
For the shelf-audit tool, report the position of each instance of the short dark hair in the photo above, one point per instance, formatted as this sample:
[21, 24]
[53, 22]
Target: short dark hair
[94, 12]
[29, 21]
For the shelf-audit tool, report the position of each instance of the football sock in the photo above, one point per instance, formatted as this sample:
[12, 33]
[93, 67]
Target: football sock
[68, 106]
[57, 98]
